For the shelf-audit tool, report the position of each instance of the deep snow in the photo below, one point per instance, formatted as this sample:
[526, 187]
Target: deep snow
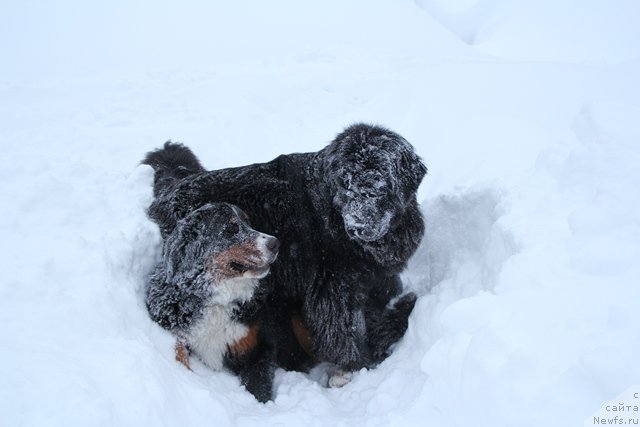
[525, 112]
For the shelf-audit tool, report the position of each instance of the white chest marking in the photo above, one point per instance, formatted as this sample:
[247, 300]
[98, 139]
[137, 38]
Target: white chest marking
[209, 337]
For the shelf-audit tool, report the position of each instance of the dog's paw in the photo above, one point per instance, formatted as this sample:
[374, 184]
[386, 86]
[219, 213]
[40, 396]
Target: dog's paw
[404, 305]
[261, 391]
[338, 377]
[182, 354]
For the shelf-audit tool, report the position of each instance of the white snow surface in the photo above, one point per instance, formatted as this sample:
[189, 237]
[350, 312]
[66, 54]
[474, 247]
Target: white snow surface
[527, 114]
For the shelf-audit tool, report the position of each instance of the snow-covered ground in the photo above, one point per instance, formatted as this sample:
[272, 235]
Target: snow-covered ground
[526, 112]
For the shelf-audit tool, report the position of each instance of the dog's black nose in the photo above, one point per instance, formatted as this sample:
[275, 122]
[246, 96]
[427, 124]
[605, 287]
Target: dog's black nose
[273, 244]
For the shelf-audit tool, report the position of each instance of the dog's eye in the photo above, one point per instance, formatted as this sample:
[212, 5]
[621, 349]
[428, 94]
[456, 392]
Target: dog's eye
[231, 230]
[237, 267]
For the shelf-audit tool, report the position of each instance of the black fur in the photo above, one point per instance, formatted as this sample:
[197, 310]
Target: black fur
[171, 163]
[348, 220]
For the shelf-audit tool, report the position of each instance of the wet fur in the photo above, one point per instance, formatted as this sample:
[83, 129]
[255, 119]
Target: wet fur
[344, 240]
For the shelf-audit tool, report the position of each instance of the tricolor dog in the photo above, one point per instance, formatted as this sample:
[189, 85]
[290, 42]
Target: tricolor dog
[204, 288]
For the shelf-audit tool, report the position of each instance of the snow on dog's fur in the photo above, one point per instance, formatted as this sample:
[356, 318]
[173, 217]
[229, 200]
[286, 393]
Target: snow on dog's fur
[348, 220]
[203, 289]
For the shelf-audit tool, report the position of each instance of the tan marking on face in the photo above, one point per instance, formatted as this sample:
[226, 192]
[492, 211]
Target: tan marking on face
[182, 354]
[245, 253]
[245, 344]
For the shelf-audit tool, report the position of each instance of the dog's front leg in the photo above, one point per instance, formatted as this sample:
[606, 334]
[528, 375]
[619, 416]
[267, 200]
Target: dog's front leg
[255, 365]
[387, 315]
[337, 326]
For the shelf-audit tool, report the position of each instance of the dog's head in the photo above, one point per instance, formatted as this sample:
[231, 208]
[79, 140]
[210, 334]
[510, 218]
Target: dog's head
[214, 245]
[373, 175]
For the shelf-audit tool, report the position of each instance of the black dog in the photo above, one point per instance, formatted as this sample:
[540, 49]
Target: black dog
[211, 263]
[348, 220]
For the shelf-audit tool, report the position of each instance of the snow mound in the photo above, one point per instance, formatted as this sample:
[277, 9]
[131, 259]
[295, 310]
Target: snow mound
[544, 30]
[544, 332]
[463, 243]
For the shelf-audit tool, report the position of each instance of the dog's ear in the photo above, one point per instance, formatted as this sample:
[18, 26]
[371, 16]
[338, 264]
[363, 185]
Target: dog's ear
[412, 169]
[175, 249]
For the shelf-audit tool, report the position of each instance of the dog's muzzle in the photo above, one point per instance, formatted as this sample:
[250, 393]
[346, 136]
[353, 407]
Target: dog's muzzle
[364, 221]
[269, 247]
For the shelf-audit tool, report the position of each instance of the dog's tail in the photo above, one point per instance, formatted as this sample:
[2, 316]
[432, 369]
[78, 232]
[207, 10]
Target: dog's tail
[171, 162]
